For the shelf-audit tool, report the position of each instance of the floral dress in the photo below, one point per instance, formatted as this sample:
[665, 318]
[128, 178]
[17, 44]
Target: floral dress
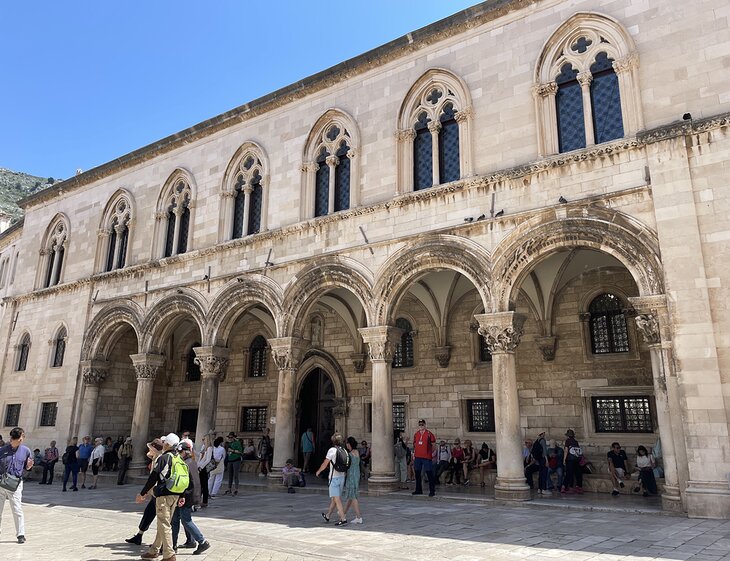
[352, 483]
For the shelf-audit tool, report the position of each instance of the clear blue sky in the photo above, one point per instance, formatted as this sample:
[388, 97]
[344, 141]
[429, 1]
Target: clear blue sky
[85, 82]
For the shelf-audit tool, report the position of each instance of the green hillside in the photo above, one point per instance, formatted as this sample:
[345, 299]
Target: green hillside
[16, 185]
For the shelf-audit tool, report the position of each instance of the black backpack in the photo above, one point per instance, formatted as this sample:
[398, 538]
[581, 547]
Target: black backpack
[342, 460]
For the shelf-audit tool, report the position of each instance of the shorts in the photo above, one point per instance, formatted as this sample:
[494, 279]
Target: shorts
[83, 464]
[620, 473]
[337, 485]
[95, 468]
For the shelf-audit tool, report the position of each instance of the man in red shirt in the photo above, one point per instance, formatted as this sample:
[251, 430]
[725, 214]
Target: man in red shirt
[423, 442]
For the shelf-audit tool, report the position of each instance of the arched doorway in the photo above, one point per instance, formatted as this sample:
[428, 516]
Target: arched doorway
[315, 408]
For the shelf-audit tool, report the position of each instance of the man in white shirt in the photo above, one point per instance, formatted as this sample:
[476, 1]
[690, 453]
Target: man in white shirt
[336, 481]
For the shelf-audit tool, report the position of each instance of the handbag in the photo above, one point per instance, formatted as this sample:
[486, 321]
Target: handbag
[9, 482]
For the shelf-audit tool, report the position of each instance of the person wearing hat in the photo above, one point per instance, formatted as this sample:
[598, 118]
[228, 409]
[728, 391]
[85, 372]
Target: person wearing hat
[191, 497]
[154, 449]
[165, 500]
[96, 460]
[573, 472]
[234, 459]
[291, 475]
[125, 458]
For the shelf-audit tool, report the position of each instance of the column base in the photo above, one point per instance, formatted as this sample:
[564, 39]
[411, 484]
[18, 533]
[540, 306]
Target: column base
[672, 500]
[274, 478]
[138, 469]
[507, 489]
[708, 499]
[382, 484]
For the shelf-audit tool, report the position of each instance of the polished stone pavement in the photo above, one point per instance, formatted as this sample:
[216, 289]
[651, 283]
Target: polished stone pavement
[459, 525]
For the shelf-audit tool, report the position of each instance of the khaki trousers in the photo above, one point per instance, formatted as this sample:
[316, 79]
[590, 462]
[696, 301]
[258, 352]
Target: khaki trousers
[164, 508]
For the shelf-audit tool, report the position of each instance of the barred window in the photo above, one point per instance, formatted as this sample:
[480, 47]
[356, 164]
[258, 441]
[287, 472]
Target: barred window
[257, 365]
[253, 419]
[569, 109]
[48, 414]
[399, 417]
[23, 352]
[422, 155]
[192, 371]
[484, 354]
[605, 100]
[322, 185]
[480, 415]
[403, 356]
[449, 145]
[178, 218]
[12, 414]
[623, 414]
[59, 348]
[609, 332]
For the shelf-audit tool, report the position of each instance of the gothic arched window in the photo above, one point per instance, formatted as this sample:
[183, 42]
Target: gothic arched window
[257, 357]
[403, 355]
[248, 201]
[54, 252]
[332, 177]
[59, 347]
[609, 332]
[117, 229]
[177, 212]
[23, 352]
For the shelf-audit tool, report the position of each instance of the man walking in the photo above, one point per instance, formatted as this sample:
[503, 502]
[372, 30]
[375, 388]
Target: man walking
[162, 483]
[423, 442]
[307, 448]
[85, 450]
[338, 461]
[50, 459]
[192, 496]
[125, 458]
[14, 458]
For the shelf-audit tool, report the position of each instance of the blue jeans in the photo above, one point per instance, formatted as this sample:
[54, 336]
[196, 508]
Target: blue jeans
[559, 471]
[185, 515]
[423, 464]
[70, 469]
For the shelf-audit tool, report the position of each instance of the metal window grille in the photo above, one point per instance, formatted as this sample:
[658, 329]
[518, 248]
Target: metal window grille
[605, 100]
[569, 108]
[48, 414]
[12, 414]
[257, 366]
[623, 414]
[399, 417]
[322, 188]
[403, 355]
[422, 156]
[480, 414]
[449, 146]
[253, 419]
[608, 328]
[342, 179]
[255, 206]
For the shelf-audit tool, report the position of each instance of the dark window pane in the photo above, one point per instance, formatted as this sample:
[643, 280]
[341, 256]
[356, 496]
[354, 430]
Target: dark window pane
[342, 179]
[23, 353]
[170, 236]
[48, 414]
[623, 414]
[188, 421]
[322, 189]
[12, 415]
[182, 242]
[403, 356]
[253, 419]
[49, 271]
[422, 156]
[484, 354]
[569, 108]
[124, 238]
[112, 245]
[608, 328]
[448, 146]
[60, 252]
[606, 101]
[257, 365]
[192, 373]
[60, 349]
[238, 209]
[480, 413]
[255, 206]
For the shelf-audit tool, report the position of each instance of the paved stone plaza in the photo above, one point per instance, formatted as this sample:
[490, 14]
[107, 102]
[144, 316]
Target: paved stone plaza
[261, 525]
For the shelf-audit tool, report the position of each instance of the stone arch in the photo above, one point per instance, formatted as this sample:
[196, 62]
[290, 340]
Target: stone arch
[313, 281]
[318, 358]
[435, 252]
[611, 232]
[107, 325]
[158, 325]
[181, 191]
[120, 209]
[234, 299]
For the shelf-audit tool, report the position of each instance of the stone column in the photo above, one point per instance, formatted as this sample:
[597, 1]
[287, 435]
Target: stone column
[434, 128]
[381, 342]
[146, 367]
[213, 362]
[585, 79]
[651, 323]
[332, 162]
[287, 353]
[502, 332]
[93, 373]
[405, 138]
[247, 190]
[176, 236]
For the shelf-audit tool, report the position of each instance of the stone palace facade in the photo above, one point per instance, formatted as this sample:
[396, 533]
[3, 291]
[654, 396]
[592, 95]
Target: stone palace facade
[512, 220]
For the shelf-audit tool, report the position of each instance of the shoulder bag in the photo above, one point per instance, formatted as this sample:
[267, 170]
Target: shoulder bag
[8, 481]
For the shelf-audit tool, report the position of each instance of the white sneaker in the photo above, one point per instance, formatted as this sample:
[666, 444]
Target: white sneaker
[356, 521]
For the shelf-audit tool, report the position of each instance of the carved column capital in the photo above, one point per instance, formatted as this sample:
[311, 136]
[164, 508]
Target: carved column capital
[405, 134]
[358, 361]
[287, 352]
[547, 347]
[502, 331]
[652, 319]
[94, 371]
[213, 361]
[584, 78]
[309, 167]
[146, 365]
[464, 114]
[544, 90]
[332, 160]
[434, 126]
[626, 63]
[648, 326]
[381, 341]
[442, 355]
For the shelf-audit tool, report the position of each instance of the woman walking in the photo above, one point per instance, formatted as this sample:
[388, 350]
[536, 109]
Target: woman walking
[215, 476]
[96, 460]
[352, 483]
[206, 455]
[71, 463]
[235, 457]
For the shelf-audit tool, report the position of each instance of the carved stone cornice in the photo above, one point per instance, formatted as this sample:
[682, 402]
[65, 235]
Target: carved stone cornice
[213, 361]
[626, 63]
[287, 352]
[542, 90]
[94, 372]
[547, 347]
[358, 361]
[442, 356]
[381, 341]
[146, 365]
[502, 331]
[584, 79]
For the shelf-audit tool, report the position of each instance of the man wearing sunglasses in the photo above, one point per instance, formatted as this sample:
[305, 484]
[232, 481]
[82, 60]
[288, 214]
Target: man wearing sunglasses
[618, 467]
[423, 442]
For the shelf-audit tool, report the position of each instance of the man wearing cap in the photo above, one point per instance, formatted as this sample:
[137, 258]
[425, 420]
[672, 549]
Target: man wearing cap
[234, 459]
[423, 442]
[165, 500]
[191, 496]
[125, 458]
